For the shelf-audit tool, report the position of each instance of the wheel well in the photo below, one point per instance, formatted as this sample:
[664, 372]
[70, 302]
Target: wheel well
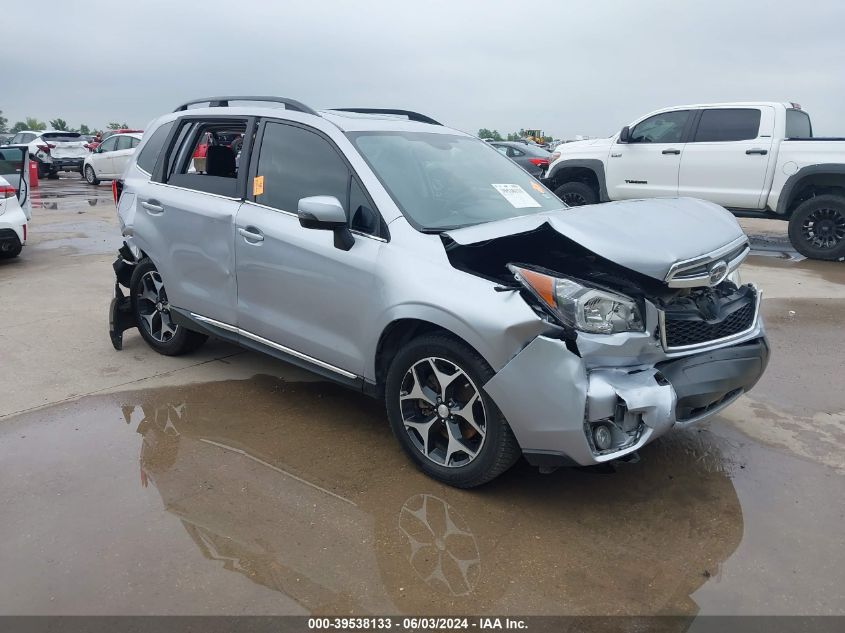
[815, 185]
[576, 174]
[394, 336]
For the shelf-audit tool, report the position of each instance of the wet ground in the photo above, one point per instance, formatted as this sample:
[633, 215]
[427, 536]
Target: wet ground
[229, 483]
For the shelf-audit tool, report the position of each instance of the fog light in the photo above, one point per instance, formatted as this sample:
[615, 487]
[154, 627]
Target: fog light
[602, 437]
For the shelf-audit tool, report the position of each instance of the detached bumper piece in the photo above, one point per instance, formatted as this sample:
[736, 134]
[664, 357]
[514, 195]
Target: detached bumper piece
[120, 309]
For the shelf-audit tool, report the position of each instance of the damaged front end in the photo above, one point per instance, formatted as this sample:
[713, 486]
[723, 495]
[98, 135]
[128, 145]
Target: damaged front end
[666, 340]
[121, 317]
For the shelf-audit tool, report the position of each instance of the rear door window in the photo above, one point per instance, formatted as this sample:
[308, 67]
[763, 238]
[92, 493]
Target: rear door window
[728, 124]
[798, 124]
[124, 142]
[205, 160]
[149, 154]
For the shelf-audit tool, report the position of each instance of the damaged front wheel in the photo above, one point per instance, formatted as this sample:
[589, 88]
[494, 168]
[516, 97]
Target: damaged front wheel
[151, 309]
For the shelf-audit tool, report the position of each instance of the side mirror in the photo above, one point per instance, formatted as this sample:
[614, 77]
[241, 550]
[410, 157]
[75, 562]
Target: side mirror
[327, 214]
[625, 135]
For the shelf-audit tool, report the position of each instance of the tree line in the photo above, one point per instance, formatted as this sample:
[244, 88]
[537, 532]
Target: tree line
[32, 123]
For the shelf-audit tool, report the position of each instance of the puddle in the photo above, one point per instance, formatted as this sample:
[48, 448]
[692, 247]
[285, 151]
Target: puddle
[261, 496]
[69, 193]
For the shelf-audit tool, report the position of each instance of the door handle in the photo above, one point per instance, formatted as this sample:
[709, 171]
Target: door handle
[762, 152]
[251, 234]
[671, 150]
[152, 207]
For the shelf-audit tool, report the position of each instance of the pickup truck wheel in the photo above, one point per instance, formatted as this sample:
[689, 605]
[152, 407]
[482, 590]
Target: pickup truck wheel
[817, 228]
[91, 176]
[576, 194]
[152, 314]
[442, 418]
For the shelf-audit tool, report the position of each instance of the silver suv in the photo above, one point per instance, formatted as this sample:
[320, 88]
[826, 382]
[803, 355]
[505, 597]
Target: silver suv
[415, 263]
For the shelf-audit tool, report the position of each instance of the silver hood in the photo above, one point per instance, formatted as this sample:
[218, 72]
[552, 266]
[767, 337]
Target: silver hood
[647, 236]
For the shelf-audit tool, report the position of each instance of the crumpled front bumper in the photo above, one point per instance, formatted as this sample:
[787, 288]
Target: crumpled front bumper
[552, 398]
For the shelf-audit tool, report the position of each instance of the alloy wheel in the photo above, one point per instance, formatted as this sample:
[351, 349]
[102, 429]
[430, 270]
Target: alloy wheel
[154, 308]
[89, 174]
[824, 228]
[443, 412]
[573, 199]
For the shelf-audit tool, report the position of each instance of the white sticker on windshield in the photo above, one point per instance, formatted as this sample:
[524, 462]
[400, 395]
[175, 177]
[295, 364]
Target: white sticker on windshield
[517, 196]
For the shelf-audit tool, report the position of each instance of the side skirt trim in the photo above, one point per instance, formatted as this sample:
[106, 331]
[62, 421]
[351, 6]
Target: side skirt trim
[276, 346]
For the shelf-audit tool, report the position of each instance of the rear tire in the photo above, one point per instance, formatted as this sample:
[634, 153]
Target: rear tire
[817, 227]
[12, 252]
[435, 440]
[152, 314]
[576, 194]
[90, 175]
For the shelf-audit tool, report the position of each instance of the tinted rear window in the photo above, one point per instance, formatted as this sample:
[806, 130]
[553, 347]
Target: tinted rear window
[149, 154]
[798, 124]
[728, 124]
[61, 136]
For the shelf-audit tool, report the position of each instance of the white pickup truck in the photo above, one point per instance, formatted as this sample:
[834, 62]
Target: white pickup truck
[752, 158]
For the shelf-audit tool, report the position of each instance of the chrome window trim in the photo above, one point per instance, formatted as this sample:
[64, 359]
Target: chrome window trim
[205, 193]
[661, 322]
[675, 279]
[269, 343]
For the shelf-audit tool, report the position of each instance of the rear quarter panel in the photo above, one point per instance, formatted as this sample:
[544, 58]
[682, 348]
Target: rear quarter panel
[794, 155]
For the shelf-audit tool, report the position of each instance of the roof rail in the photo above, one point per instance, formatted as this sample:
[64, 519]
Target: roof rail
[412, 116]
[223, 102]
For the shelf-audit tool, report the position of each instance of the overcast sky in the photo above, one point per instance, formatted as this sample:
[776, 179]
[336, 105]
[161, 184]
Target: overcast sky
[563, 66]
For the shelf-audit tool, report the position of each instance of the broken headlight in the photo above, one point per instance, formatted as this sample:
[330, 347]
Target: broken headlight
[579, 306]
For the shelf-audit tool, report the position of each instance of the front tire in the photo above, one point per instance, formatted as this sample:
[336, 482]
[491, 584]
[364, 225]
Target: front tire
[444, 421]
[90, 175]
[152, 314]
[576, 194]
[817, 227]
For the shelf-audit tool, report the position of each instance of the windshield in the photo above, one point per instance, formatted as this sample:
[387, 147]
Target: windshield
[446, 181]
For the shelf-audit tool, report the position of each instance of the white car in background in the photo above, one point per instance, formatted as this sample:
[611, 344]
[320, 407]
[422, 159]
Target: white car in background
[15, 208]
[53, 150]
[108, 161]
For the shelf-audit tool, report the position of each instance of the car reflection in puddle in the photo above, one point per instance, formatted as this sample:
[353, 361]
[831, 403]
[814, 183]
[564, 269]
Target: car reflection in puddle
[301, 488]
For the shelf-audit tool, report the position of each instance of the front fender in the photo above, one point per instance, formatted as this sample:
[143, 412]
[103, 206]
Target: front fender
[595, 165]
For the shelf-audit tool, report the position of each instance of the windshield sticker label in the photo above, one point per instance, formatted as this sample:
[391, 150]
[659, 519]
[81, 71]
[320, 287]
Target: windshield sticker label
[517, 196]
[258, 185]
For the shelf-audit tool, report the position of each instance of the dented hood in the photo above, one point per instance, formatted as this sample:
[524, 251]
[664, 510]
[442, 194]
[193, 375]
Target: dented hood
[647, 236]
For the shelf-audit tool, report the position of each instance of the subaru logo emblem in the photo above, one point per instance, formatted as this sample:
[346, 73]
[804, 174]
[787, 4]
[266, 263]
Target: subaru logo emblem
[718, 272]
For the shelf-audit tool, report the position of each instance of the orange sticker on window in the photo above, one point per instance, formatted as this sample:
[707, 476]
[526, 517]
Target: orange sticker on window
[258, 185]
[536, 186]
